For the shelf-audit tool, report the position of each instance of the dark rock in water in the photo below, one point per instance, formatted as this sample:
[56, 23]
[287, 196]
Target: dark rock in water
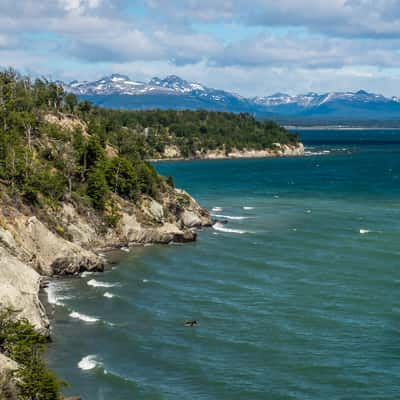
[190, 323]
[186, 236]
[74, 265]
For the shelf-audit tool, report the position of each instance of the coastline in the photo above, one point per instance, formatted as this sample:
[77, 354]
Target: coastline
[279, 151]
[337, 128]
[32, 255]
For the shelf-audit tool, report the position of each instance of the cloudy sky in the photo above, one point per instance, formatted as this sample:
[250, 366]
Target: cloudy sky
[252, 47]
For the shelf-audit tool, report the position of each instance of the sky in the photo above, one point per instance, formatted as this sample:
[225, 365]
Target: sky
[251, 47]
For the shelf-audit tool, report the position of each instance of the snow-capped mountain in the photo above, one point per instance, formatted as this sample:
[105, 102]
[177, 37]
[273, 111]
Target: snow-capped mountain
[119, 91]
[122, 84]
[315, 100]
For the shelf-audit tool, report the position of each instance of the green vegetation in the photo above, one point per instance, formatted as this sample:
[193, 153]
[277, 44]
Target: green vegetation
[20, 342]
[45, 161]
[190, 131]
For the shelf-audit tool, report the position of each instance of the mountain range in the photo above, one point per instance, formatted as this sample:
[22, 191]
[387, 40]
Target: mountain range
[172, 92]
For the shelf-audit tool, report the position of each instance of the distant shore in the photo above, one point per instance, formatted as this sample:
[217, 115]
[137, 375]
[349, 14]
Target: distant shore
[337, 128]
[172, 153]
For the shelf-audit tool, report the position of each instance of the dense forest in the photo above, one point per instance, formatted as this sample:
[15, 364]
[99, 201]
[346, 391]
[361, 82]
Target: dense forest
[44, 161]
[193, 132]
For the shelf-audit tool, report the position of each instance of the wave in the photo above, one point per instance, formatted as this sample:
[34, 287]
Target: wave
[108, 295]
[217, 209]
[89, 362]
[83, 317]
[145, 280]
[87, 273]
[221, 228]
[126, 249]
[95, 283]
[53, 297]
[229, 217]
[364, 231]
[317, 153]
[248, 208]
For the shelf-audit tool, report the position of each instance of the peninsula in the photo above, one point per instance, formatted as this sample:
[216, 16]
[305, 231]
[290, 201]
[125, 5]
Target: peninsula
[74, 181]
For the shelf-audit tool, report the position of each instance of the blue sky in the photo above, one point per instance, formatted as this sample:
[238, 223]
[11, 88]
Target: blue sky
[252, 47]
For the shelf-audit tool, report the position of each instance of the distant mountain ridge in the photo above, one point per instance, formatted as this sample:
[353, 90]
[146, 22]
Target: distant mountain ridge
[119, 91]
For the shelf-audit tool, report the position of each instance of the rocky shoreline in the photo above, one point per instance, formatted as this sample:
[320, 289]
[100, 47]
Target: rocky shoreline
[172, 153]
[37, 248]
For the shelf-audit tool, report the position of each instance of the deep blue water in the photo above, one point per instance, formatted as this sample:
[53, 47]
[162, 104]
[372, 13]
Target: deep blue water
[297, 299]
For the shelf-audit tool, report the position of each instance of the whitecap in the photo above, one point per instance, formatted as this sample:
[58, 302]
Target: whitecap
[145, 280]
[95, 283]
[89, 362]
[217, 209]
[229, 217]
[83, 317]
[126, 249]
[248, 208]
[108, 295]
[317, 153]
[87, 273]
[221, 227]
[364, 231]
[53, 296]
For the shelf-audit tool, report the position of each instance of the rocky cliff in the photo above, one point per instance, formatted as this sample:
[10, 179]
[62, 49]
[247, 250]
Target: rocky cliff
[172, 152]
[65, 240]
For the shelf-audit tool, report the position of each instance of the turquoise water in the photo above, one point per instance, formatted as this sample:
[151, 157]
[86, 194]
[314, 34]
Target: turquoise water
[296, 299]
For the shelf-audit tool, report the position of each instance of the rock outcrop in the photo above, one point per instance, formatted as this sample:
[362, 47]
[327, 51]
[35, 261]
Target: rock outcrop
[278, 150]
[19, 288]
[64, 241]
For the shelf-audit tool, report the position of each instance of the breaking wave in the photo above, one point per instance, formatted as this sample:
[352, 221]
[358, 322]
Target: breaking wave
[229, 217]
[83, 317]
[89, 362]
[53, 296]
[221, 228]
[217, 209]
[95, 283]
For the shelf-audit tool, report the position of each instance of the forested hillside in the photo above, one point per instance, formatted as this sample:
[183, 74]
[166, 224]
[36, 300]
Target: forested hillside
[47, 151]
[191, 131]
[52, 145]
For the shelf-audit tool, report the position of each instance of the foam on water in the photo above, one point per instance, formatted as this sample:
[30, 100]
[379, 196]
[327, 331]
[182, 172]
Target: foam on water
[246, 208]
[95, 283]
[89, 362]
[53, 295]
[217, 209]
[233, 218]
[364, 231]
[83, 317]
[108, 295]
[221, 228]
[85, 274]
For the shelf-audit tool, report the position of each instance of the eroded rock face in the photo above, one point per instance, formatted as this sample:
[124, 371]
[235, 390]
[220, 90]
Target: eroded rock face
[50, 253]
[29, 248]
[19, 290]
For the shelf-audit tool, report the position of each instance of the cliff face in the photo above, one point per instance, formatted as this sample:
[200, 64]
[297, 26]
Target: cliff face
[278, 150]
[64, 241]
